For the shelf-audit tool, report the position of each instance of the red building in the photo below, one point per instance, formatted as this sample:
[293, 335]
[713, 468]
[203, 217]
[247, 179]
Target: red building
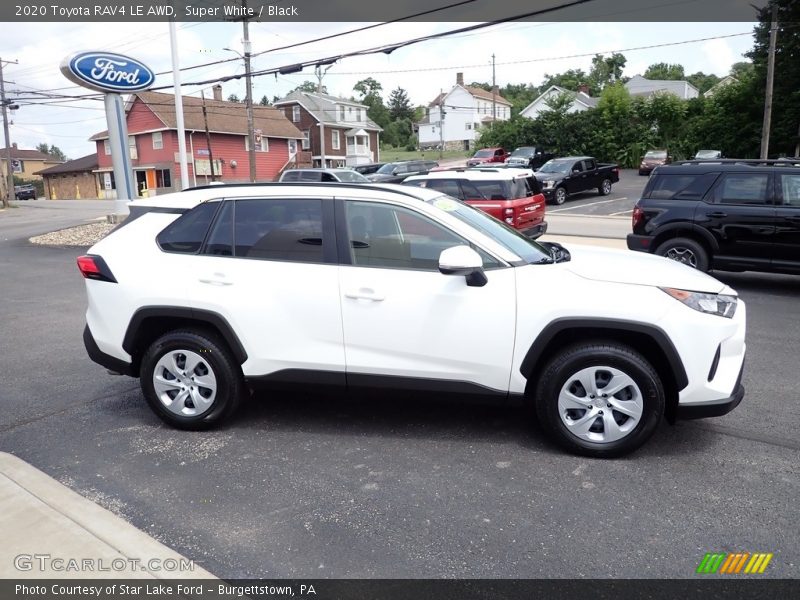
[153, 143]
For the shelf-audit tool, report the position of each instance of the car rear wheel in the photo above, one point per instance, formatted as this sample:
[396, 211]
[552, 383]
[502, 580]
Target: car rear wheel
[599, 399]
[605, 187]
[560, 196]
[190, 379]
[686, 251]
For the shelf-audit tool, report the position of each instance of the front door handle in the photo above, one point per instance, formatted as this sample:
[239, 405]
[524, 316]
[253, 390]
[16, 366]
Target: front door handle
[364, 294]
[716, 215]
[215, 279]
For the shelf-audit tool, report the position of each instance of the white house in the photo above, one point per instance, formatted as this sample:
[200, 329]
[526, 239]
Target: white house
[725, 81]
[581, 101]
[639, 86]
[453, 118]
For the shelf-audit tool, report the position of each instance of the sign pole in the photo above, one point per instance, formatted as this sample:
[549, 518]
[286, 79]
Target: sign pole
[120, 154]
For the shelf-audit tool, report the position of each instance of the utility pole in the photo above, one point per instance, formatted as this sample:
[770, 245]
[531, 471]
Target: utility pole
[441, 130]
[208, 136]
[6, 104]
[494, 94]
[249, 100]
[176, 77]
[773, 36]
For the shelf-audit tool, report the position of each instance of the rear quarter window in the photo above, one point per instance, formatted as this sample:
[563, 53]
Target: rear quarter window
[185, 235]
[669, 186]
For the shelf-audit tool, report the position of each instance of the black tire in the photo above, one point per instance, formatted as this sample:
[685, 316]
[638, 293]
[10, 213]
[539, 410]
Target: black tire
[560, 371]
[559, 196]
[686, 251]
[229, 381]
[604, 189]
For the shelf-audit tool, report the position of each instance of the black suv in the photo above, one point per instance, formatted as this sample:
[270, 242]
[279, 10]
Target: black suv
[731, 215]
[395, 172]
[25, 192]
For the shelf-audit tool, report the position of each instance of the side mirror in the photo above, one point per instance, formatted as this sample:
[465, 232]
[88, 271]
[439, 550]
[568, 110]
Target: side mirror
[463, 260]
[576, 170]
[395, 171]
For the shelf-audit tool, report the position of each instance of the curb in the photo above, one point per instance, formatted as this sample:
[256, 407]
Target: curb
[40, 516]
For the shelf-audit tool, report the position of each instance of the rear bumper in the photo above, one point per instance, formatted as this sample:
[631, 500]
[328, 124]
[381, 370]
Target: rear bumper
[105, 360]
[535, 232]
[640, 243]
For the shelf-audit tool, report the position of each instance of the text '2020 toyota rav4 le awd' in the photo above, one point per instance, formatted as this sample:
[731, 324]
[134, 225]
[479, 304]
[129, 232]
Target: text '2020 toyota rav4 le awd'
[207, 293]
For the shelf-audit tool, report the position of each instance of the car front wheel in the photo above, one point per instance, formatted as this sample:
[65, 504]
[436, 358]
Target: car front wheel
[599, 399]
[560, 196]
[190, 379]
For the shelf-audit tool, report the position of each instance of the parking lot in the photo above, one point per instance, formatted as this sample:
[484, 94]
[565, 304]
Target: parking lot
[319, 487]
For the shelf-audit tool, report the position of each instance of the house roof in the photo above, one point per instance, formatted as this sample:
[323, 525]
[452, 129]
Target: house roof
[641, 86]
[84, 163]
[580, 97]
[475, 91]
[223, 116]
[323, 107]
[20, 154]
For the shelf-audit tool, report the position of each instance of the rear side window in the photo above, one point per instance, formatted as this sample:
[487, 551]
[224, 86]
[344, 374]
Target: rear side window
[310, 176]
[446, 186]
[286, 230]
[493, 189]
[742, 188]
[186, 234]
[679, 187]
[790, 189]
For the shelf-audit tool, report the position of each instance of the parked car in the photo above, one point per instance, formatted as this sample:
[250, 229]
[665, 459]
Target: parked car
[324, 175]
[510, 195]
[653, 159]
[529, 157]
[212, 291]
[708, 154]
[368, 168]
[728, 215]
[562, 177]
[25, 192]
[396, 172]
[488, 155]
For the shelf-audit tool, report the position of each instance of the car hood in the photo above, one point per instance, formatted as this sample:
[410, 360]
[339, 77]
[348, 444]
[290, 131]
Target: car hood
[378, 176]
[627, 266]
[548, 176]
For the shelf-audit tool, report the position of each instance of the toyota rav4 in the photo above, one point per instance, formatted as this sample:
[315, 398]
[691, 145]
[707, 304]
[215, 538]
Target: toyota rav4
[206, 293]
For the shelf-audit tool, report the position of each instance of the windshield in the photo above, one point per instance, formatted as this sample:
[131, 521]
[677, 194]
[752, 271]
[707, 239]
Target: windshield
[351, 176]
[526, 152]
[387, 169]
[556, 166]
[522, 246]
[484, 154]
[707, 154]
[658, 154]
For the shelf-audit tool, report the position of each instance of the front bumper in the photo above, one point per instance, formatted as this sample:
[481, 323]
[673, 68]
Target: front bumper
[716, 408]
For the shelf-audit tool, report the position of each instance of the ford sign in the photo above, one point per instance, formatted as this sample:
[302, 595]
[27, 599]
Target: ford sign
[107, 72]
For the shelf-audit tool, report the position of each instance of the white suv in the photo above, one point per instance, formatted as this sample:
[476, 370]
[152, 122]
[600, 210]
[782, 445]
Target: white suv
[207, 293]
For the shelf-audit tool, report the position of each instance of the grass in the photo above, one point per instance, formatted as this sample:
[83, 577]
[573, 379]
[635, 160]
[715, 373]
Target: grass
[393, 154]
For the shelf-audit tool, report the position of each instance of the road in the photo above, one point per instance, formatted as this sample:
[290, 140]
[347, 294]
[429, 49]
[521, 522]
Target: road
[306, 486]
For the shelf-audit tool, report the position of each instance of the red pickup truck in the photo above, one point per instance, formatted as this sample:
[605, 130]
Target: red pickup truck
[511, 195]
[488, 155]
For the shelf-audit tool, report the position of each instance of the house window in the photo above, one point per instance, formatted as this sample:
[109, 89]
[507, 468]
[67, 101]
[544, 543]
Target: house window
[335, 143]
[358, 114]
[163, 178]
[106, 147]
[295, 114]
[261, 146]
[292, 147]
[132, 147]
[341, 113]
[306, 139]
[468, 125]
[158, 140]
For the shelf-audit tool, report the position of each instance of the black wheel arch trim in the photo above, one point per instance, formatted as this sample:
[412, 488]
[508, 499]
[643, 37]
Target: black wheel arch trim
[683, 229]
[534, 354]
[204, 316]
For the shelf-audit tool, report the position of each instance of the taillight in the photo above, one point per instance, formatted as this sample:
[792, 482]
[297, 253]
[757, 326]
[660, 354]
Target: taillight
[94, 267]
[637, 217]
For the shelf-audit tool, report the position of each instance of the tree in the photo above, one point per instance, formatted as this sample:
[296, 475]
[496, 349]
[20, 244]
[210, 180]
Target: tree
[233, 98]
[307, 86]
[520, 95]
[664, 71]
[741, 69]
[399, 105]
[605, 71]
[482, 85]
[264, 101]
[569, 80]
[53, 151]
[369, 91]
[702, 82]
[368, 87]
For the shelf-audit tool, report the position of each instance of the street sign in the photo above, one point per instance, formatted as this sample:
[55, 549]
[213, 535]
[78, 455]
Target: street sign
[107, 72]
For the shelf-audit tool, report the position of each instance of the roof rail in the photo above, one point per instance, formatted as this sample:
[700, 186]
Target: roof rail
[741, 161]
[397, 188]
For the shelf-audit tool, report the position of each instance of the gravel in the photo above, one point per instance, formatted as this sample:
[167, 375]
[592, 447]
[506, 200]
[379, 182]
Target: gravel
[82, 235]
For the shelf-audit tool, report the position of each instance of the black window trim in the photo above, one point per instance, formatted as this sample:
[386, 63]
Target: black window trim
[205, 236]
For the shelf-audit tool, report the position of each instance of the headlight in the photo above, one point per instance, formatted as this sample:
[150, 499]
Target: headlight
[548, 184]
[712, 304]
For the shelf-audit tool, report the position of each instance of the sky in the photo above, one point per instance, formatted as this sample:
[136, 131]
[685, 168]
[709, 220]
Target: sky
[524, 53]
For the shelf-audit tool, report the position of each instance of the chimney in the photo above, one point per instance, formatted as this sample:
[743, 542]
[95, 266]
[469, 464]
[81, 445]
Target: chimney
[14, 145]
[496, 90]
[584, 88]
[459, 79]
[217, 89]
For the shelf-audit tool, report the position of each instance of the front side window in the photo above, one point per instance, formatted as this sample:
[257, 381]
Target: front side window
[185, 235]
[742, 188]
[285, 230]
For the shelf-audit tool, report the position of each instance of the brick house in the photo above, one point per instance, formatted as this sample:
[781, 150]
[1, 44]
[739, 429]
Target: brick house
[74, 179]
[335, 130]
[153, 142]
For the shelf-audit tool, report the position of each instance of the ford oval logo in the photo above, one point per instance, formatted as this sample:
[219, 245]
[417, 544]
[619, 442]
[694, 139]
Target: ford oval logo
[107, 72]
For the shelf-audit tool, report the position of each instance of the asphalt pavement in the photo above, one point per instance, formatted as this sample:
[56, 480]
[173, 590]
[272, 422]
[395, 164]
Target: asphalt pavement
[308, 486]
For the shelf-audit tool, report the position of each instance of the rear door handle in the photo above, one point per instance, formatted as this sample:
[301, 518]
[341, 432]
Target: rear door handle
[364, 294]
[716, 215]
[215, 279]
